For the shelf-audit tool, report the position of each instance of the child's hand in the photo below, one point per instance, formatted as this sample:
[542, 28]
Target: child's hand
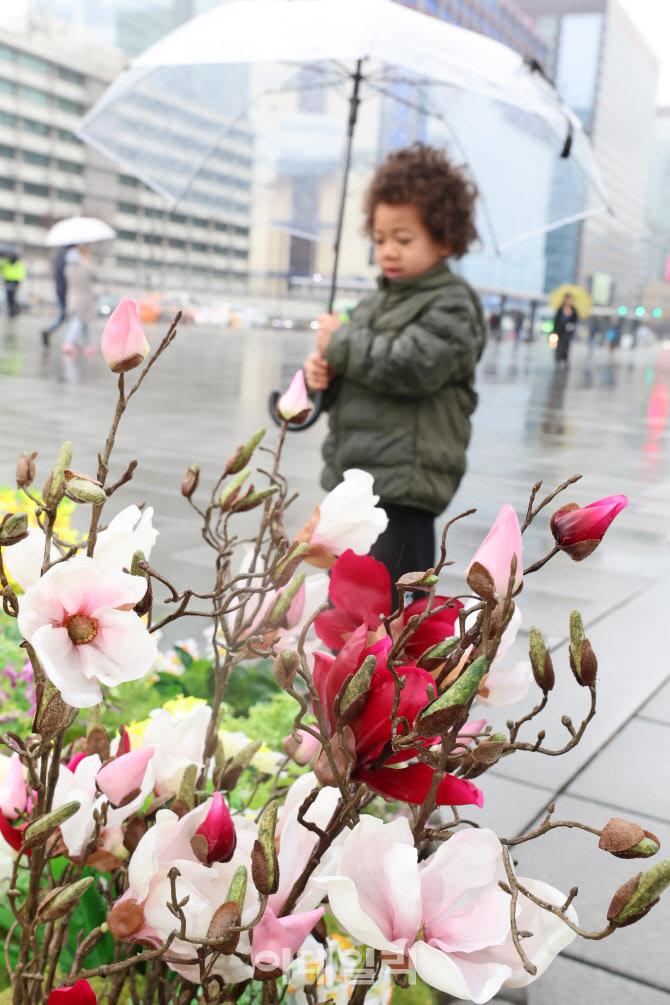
[328, 323]
[317, 372]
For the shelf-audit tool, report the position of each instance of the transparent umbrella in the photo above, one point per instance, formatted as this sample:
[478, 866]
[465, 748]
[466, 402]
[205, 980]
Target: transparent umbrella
[286, 106]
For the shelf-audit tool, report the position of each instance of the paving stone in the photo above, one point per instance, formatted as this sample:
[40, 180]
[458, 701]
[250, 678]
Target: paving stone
[571, 981]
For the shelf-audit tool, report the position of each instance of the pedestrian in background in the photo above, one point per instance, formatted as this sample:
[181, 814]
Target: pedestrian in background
[398, 377]
[13, 273]
[79, 277]
[565, 324]
[60, 283]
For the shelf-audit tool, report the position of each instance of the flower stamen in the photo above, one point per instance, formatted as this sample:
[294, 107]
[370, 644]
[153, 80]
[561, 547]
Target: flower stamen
[82, 628]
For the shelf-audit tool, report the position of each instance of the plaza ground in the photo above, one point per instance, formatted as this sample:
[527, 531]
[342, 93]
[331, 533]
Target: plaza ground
[604, 418]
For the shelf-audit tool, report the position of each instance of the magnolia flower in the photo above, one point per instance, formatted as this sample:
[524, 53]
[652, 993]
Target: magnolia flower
[311, 593]
[275, 941]
[128, 532]
[77, 782]
[578, 530]
[125, 775]
[142, 914]
[79, 620]
[179, 740]
[80, 993]
[13, 788]
[294, 404]
[360, 593]
[506, 684]
[445, 917]
[124, 344]
[347, 518]
[6, 866]
[489, 571]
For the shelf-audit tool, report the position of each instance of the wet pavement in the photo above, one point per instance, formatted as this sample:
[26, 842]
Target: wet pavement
[604, 417]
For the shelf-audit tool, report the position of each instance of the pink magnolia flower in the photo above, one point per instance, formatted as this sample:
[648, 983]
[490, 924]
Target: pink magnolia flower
[578, 530]
[446, 917]
[124, 775]
[275, 941]
[78, 784]
[489, 571]
[179, 740]
[506, 684]
[142, 914]
[79, 620]
[218, 830]
[347, 518]
[80, 993]
[124, 344]
[294, 404]
[13, 789]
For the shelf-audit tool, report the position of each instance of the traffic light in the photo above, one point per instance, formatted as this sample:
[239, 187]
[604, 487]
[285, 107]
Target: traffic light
[657, 312]
[640, 312]
[622, 310]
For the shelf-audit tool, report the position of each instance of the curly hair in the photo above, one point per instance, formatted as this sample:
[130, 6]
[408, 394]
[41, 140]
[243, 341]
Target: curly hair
[443, 193]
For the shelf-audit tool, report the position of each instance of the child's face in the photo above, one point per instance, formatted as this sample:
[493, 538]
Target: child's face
[404, 247]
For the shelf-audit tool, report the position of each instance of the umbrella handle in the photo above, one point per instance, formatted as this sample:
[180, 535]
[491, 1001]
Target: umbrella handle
[292, 427]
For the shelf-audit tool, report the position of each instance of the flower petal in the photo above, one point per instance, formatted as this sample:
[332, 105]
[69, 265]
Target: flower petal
[349, 516]
[61, 662]
[411, 785]
[361, 587]
[455, 975]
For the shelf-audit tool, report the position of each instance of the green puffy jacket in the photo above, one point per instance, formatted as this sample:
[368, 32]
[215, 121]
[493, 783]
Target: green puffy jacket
[400, 406]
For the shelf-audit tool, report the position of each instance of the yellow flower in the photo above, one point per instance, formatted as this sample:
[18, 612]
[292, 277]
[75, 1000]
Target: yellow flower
[182, 705]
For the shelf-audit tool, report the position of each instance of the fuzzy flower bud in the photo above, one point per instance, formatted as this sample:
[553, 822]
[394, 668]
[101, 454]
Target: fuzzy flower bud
[124, 344]
[81, 490]
[578, 530]
[219, 831]
[14, 528]
[25, 470]
[190, 482]
[636, 897]
[294, 404]
[543, 668]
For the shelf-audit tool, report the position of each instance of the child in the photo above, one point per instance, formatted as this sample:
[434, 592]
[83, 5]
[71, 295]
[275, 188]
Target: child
[399, 376]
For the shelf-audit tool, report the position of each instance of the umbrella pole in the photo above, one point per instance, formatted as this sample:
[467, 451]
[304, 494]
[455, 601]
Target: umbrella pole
[354, 102]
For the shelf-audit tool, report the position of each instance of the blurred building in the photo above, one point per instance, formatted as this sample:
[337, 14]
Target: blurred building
[49, 78]
[504, 20]
[659, 199]
[608, 74]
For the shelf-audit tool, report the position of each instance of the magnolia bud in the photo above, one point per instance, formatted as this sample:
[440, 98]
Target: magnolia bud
[82, 491]
[190, 482]
[285, 668]
[543, 668]
[353, 700]
[57, 476]
[230, 491]
[52, 713]
[14, 528]
[63, 899]
[636, 897]
[225, 917]
[418, 580]
[284, 570]
[284, 600]
[264, 865]
[253, 499]
[582, 658]
[39, 831]
[625, 839]
[237, 890]
[242, 455]
[187, 785]
[25, 470]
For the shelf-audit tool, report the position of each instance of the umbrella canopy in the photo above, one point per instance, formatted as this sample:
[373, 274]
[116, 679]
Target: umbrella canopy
[254, 96]
[79, 230]
[581, 299]
[8, 250]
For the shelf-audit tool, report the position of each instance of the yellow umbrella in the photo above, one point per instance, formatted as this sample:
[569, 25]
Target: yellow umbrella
[581, 299]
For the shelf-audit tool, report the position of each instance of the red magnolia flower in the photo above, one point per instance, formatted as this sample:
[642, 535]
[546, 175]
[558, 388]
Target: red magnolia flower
[360, 589]
[80, 993]
[219, 830]
[372, 728]
[578, 530]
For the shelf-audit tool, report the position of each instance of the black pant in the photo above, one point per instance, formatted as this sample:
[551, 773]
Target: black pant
[10, 294]
[408, 543]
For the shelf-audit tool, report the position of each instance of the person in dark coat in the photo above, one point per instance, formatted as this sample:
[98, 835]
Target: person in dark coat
[399, 375]
[565, 324]
[60, 283]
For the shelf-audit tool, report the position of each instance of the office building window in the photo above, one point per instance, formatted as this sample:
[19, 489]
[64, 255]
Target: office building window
[66, 105]
[177, 218]
[33, 220]
[199, 222]
[7, 119]
[126, 207]
[176, 242]
[34, 94]
[33, 126]
[32, 188]
[34, 62]
[32, 157]
[68, 196]
[219, 249]
[6, 214]
[67, 136]
[154, 214]
[127, 179]
[65, 73]
[127, 235]
[7, 86]
[153, 239]
[70, 166]
[7, 182]
[6, 151]
[6, 52]
[125, 262]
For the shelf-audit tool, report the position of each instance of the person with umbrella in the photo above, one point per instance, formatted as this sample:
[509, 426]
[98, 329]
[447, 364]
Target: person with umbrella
[79, 278]
[399, 376]
[565, 323]
[13, 272]
[61, 292]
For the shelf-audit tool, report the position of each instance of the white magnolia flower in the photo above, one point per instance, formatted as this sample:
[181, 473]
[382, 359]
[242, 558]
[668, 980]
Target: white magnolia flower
[347, 518]
[130, 531]
[179, 739]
